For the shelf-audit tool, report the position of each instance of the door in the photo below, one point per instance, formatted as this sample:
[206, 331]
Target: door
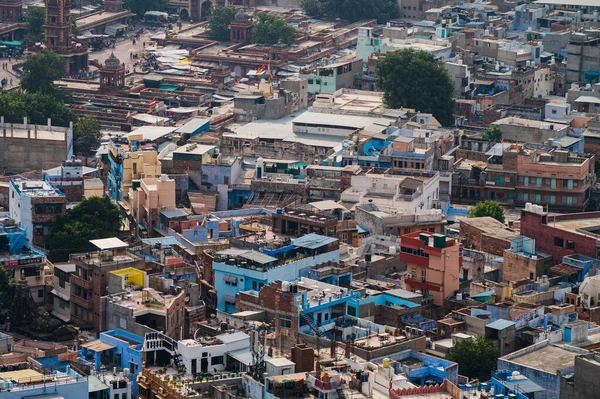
[204, 365]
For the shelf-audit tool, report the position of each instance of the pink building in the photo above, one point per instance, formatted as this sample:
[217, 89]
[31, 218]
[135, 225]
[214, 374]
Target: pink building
[433, 264]
[150, 197]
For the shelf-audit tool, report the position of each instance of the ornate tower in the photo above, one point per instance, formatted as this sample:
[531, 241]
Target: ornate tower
[241, 28]
[58, 36]
[58, 25]
[113, 5]
[11, 10]
[112, 75]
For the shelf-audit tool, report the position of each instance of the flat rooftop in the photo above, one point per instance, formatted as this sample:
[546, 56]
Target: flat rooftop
[578, 226]
[35, 188]
[490, 226]
[549, 359]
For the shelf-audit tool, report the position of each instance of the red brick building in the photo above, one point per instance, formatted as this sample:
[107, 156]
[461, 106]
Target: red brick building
[561, 235]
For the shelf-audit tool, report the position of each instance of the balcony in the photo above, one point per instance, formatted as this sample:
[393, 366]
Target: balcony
[84, 303]
[423, 285]
[85, 284]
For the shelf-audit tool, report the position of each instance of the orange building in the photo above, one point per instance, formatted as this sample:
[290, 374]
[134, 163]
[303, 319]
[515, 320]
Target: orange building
[433, 264]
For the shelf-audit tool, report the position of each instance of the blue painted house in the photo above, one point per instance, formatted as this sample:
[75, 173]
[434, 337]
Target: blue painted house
[238, 270]
[116, 348]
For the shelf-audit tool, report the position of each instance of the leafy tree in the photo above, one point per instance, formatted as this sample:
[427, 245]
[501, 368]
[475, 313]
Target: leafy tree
[270, 29]
[91, 219]
[352, 10]
[7, 288]
[37, 107]
[415, 79]
[493, 134]
[86, 135]
[219, 20]
[487, 208]
[74, 28]
[476, 359]
[36, 17]
[40, 70]
[141, 6]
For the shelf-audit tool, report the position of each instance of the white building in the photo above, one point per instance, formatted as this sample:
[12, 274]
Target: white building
[205, 355]
[62, 290]
[403, 193]
[34, 205]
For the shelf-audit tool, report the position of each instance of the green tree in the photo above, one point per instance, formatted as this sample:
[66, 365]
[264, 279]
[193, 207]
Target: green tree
[91, 219]
[414, 79]
[487, 208]
[219, 20]
[141, 6]
[74, 28]
[37, 107]
[36, 17]
[493, 134]
[270, 29]
[86, 135]
[476, 359]
[7, 288]
[352, 10]
[41, 70]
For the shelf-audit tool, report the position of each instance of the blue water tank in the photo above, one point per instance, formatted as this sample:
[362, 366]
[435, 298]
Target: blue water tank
[279, 211]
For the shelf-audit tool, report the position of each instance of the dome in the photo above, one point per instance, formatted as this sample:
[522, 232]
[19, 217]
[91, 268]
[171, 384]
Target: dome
[112, 61]
[241, 16]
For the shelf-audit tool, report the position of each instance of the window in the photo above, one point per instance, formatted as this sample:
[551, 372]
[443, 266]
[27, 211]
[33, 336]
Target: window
[570, 244]
[285, 322]
[204, 354]
[216, 360]
[559, 242]
[40, 293]
[225, 179]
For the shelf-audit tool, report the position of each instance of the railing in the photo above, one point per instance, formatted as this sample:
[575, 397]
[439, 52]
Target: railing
[84, 303]
[318, 330]
[85, 284]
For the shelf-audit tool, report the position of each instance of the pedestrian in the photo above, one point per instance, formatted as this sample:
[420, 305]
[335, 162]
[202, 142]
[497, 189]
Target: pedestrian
[9, 58]
[10, 82]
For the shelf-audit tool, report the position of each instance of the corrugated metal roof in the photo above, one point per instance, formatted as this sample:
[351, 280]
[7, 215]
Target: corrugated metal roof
[193, 125]
[522, 385]
[258, 257]
[501, 324]
[234, 337]
[313, 241]
[483, 294]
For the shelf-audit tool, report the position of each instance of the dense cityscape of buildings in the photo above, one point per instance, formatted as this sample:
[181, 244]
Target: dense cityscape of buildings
[286, 233]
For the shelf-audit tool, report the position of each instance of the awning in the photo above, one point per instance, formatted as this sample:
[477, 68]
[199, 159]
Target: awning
[112, 29]
[229, 299]
[14, 43]
[98, 346]
[230, 279]
[588, 99]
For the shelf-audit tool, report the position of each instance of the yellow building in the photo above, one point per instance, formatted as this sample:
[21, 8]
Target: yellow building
[138, 165]
[130, 276]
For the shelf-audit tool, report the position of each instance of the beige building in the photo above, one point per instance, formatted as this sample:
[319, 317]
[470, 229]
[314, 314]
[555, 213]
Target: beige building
[148, 197]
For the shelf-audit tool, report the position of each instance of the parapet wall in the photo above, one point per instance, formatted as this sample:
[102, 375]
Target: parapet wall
[28, 147]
